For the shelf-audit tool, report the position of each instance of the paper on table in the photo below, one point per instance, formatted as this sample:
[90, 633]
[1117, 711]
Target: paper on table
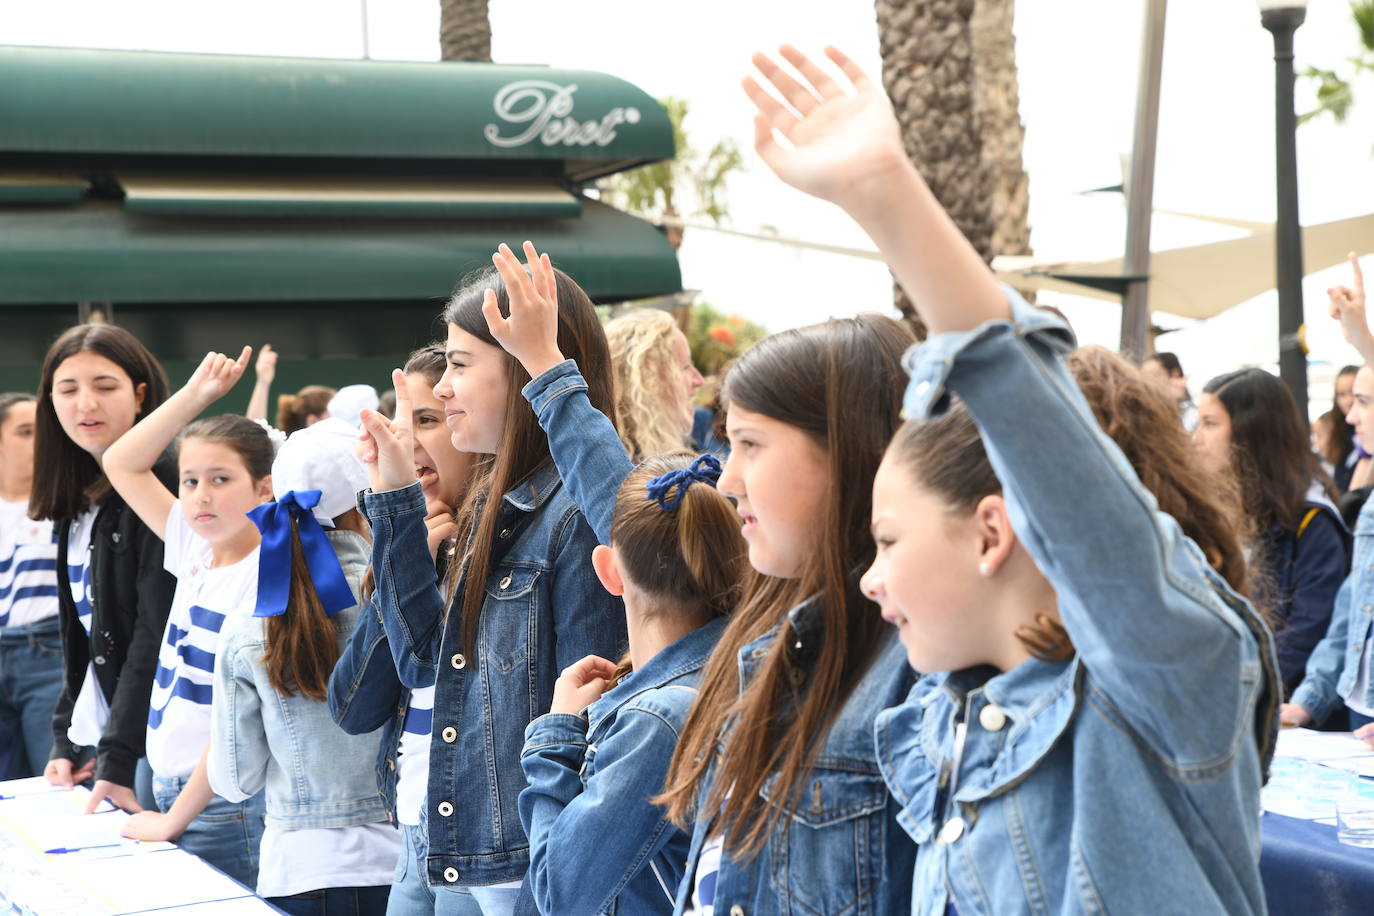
[1315, 745]
[87, 836]
[165, 879]
[50, 804]
[33, 785]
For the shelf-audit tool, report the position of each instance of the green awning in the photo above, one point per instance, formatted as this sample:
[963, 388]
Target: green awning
[41, 188]
[98, 251]
[391, 196]
[79, 102]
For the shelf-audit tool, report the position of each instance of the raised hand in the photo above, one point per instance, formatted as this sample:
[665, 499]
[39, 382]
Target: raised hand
[215, 375]
[1347, 307]
[530, 334]
[839, 138]
[387, 447]
[581, 684]
[266, 367]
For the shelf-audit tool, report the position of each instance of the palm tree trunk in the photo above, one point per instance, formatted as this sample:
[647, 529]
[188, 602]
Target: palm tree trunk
[464, 30]
[949, 67]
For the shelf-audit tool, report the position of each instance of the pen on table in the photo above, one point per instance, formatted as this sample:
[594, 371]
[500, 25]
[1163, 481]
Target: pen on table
[62, 849]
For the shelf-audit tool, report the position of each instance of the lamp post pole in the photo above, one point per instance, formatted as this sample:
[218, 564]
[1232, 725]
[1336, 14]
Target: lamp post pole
[1282, 20]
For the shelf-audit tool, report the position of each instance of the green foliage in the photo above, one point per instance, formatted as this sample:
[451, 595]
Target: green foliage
[1334, 92]
[717, 338]
[692, 183]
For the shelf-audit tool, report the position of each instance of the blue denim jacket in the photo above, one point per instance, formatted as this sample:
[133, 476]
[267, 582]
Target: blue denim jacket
[1127, 778]
[593, 777]
[365, 694]
[314, 774]
[844, 851]
[1334, 665]
[544, 610]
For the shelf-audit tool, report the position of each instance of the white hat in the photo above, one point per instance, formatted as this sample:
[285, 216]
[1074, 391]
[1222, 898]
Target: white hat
[350, 401]
[322, 457]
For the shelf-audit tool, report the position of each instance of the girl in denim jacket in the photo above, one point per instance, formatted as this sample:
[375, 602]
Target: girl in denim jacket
[676, 557]
[365, 693]
[524, 603]
[1092, 684]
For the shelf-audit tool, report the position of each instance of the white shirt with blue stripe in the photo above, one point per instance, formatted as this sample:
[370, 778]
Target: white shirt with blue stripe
[179, 712]
[90, 710]
[412, 764]
[28, 567]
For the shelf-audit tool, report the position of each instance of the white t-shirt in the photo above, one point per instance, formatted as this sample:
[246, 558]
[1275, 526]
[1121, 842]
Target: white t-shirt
[412, 764]
[179, 711]
[296, 861]
[90, 710]
[28, 567]
[703, 899]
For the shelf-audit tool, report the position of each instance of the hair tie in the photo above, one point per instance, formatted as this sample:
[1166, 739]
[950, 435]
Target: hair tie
[706, 469]
[274, 435]
[274, 558]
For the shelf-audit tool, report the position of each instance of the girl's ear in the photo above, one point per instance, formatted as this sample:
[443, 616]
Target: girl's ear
[995, 532]
[140, 393]
[608, 570]
[265, 489]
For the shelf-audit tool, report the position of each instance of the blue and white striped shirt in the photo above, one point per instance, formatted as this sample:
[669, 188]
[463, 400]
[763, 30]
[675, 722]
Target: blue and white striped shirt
[412, 765]
[28, 567]
[179, 710]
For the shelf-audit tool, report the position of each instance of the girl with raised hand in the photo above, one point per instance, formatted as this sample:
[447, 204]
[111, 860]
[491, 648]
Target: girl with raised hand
[113, 592]
[328, 849]
[365, 692]
[676, 556]
[525, 603]
[1091, 684]
[224, 469]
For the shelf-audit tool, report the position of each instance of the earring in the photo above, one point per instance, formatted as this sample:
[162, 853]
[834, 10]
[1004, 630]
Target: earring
[984, 569]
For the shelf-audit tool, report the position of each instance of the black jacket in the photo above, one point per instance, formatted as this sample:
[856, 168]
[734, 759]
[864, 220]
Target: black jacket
[131, 596]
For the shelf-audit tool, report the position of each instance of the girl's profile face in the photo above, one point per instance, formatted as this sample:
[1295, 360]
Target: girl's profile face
[1213, 434]
[687, 377]
[924, 576]
[779, 478]
[473, 391]
[440, 468]
[95, 400]
[216, 490]
[1361, 413]
[16, 438]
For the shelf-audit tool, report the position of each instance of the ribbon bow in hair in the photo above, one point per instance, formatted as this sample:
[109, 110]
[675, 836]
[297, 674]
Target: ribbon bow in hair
[274, 560]
[706, 469]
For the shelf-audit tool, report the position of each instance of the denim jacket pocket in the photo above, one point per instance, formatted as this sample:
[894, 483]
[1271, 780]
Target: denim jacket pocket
[511, 590]
[828, 855]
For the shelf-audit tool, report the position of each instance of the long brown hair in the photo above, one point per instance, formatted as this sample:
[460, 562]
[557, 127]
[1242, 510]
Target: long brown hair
[1142, 420]
[523, 448]
[840, 382]
[302, 643]
[67, 478]
[293, 410]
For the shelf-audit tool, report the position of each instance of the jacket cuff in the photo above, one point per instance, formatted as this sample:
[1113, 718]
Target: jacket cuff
[930, 363]
[115, 766]
[62, 749]
[1315, 701]
[392, 502]
[552, 384]
[557, 728]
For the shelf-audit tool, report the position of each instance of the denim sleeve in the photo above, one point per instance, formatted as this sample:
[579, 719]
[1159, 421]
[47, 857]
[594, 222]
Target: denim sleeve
[1317, 693]
[585, 446]
[1134, 593]
[407, 587]
[1319, 568]
[564, 819]
[587, 620]
[364, 690]
[239, 752]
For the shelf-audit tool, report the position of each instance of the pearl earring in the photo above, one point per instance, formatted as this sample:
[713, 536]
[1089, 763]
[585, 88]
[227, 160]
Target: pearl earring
[984, 570]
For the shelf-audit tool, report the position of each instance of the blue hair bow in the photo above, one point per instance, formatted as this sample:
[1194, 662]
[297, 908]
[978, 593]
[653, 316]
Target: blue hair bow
[274, 559]
[706, 468]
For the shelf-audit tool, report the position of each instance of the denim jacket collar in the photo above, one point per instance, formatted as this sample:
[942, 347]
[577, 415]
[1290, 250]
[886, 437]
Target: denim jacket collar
[353, 549]
[686, 654]
[1037, 698]
[536, 489]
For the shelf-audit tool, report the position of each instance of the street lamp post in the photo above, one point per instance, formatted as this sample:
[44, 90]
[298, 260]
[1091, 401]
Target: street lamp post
[1282, 18]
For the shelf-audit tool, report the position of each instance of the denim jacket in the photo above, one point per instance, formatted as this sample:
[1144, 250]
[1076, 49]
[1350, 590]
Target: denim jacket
[365, 694]
[1334, 665]
[593, 776]
[1152, 739]
[313, 773]
[544, 610]
[843, 852]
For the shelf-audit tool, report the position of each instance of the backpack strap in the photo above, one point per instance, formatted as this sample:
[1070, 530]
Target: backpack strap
[1307, 519]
